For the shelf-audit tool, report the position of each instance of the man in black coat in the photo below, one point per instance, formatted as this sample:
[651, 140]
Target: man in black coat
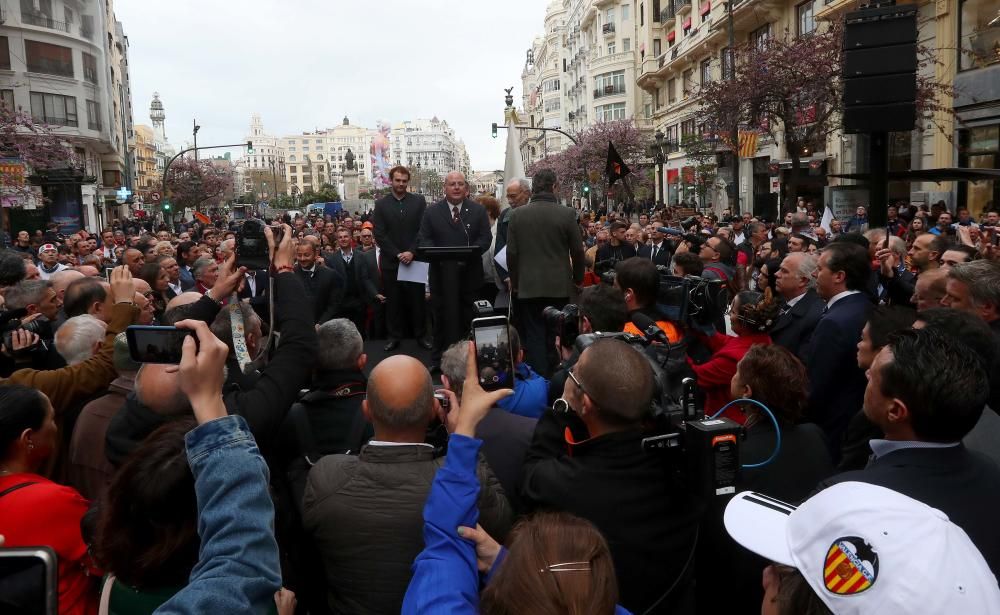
[837, 384]
[324, 287]
[803, 308]
[397, 218]
[348, 266]
[454, 221]
[927, 391]
[599, 471]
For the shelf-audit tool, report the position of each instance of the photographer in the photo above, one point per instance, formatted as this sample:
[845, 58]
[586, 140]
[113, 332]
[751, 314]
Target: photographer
[602, 309]
[639, 281]
[590, 462]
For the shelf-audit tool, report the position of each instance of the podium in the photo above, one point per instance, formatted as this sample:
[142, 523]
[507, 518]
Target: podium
[451, 292]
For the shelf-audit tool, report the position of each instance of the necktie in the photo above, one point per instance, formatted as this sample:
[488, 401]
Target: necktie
[454, 215]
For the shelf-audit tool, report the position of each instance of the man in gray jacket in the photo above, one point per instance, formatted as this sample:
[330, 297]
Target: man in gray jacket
[365, 513]
[546, 263]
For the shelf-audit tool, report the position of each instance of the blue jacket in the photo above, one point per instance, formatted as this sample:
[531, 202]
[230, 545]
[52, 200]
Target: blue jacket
[238, 569]
[445, 577]
[531, 393]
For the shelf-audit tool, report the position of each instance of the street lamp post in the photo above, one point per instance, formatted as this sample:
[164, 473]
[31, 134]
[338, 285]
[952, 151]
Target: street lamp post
[659, 158]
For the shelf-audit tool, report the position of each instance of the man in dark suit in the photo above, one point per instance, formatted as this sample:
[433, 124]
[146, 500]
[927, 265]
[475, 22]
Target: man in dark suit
[659, 250]
[837, 384]
[546, 264]
[348, 265]
[803, 307]
[374, 292]
[323, 286]
[454, 221]
[927, 391]
[255, 289]
[397, 222]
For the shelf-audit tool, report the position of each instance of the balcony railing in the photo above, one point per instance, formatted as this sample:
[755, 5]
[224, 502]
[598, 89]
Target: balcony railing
[609, 90]
[608, 29]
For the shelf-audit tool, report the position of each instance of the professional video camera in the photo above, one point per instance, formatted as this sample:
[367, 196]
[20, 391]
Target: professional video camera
[706, 450]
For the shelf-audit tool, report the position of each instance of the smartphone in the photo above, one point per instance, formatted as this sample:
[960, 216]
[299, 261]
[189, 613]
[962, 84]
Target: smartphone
[494, 361]
[151, 344]
[251, 246]
[28, 581]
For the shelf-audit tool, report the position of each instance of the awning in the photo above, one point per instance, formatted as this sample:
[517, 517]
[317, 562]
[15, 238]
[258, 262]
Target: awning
[933, 175]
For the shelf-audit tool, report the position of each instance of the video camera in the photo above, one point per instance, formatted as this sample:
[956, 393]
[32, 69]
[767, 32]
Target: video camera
[704, 451]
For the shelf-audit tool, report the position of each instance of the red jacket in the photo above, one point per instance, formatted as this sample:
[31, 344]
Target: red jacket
[715, 375]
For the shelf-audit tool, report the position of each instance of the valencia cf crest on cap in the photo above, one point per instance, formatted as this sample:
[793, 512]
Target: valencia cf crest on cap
[851, 566]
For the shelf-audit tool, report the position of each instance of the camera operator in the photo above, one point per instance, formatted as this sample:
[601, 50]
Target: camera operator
[602, 309]
[590, 462]
[639, 281]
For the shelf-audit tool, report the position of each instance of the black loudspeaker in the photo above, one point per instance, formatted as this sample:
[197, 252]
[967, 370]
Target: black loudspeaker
[879, 74]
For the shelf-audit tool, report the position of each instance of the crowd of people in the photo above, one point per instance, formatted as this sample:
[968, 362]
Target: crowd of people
[276, 468]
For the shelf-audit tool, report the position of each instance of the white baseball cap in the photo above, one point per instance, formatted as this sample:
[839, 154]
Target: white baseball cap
[866, 549]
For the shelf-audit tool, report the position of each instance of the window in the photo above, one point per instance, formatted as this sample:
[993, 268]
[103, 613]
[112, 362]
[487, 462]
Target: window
[550, 85]
[93, 115]
[611, 49]
[53, 109]
[805, 18]
[4, 53]
[671, 91]
[706, 71]
[7, 98]
[48, 59]
[609, 113]
[760, 36]
[977, 36]
[686, 82]
[625, 12]
[626, 45]
[89, 67]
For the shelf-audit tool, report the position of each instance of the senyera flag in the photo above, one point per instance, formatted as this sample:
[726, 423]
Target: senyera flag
[616, 168]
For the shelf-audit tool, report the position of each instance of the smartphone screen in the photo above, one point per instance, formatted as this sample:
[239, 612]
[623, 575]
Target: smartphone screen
[28, 581]
[148, 344]
[493, 353]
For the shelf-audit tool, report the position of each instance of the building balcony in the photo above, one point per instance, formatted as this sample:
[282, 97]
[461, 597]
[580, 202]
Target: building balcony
[609, 90]
[608, 29]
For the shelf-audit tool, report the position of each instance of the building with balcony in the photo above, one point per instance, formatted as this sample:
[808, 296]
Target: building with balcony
[66, 62]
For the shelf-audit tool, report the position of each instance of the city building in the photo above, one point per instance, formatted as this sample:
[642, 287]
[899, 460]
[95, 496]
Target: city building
[66, 62]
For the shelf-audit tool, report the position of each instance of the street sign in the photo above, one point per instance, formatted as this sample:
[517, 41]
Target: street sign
[155, 197]
[122, 195]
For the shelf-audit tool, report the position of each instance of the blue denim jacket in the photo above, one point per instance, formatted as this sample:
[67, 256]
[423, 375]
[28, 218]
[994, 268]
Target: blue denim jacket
[238, 570]
[445, 577]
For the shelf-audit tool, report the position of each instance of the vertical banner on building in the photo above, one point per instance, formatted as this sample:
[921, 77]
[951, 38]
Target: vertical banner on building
[381, 157]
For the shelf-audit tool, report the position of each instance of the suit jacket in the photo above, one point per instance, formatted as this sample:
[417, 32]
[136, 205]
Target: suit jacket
[955, 480]
[794, 327]
[396, 226]
[437, 229]
[837, 384]
[542, 241]
[324, 288]
[663, 255]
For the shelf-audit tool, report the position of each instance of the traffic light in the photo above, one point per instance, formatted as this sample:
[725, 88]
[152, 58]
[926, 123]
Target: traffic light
[494, 130]
[249, 147]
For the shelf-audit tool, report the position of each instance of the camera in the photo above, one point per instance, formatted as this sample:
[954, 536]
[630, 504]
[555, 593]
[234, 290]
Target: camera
[565, 322]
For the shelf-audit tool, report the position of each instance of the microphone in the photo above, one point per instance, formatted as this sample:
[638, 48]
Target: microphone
[649, 328]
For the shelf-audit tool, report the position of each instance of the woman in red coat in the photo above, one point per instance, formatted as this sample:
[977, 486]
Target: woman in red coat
[752, 315]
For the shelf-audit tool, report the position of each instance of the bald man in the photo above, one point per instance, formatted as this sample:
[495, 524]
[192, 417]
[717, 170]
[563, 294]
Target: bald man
[454, 221]
[364, 512]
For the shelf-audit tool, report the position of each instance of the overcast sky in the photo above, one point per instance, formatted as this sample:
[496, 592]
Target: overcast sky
[304, 64]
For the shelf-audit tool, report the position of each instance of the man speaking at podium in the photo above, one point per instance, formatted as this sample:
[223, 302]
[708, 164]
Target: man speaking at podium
[454, 221]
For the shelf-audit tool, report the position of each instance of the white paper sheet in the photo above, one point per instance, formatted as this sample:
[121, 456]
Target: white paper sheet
[501, 258]
[416, 271]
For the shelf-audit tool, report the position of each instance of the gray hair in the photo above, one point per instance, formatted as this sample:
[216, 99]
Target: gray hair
[807, 267]
[75, 339]
[200, 265]
[25, 293]
[982, 278]
[453, 366]
[340, 344]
